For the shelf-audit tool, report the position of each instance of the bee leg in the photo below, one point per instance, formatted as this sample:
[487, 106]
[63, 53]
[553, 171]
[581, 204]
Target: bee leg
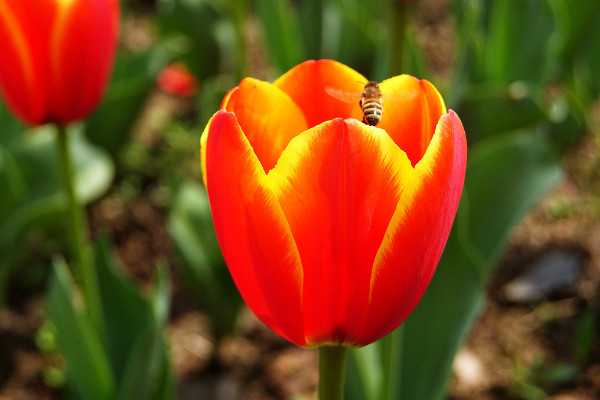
[360, 104]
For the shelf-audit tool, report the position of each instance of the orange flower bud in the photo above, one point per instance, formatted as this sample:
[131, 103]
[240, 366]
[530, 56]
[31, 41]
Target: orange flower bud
[56, 56]
[332, 229]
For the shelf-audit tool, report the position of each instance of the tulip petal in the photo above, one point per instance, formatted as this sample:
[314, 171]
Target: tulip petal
[23, 45]
[336, 186]
[255, 239]
[80, 75]
[307, 82]
[411, 111]
[418, 231]
[268, 117]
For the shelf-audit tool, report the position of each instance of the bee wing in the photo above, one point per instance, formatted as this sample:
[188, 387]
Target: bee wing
[346, 97]
[398, 97]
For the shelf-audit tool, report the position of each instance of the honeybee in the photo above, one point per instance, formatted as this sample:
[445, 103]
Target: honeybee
[370, 101]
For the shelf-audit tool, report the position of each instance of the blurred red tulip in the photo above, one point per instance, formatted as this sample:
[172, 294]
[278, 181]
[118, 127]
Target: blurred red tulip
[56, 56]
[332, 229]
[177, 80]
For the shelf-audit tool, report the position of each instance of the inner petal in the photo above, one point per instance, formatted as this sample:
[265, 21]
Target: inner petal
[307, 82]
[268, 117]
[411, 111]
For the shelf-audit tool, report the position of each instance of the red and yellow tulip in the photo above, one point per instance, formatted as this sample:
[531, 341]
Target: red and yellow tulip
[332, 229]
[56, 56]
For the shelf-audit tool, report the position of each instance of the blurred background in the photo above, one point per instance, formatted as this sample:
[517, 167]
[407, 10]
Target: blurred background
[513, 311]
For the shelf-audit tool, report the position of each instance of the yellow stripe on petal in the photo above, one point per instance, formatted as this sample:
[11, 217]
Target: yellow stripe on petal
[57, 40]
[203, 140]
[254, 236]
[336, 184]
[20, 43]
[418, 231]
[268, 117]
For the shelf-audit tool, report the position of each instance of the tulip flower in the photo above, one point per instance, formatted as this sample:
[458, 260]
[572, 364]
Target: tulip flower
[332, 229]
[56, 56]
[177, 80]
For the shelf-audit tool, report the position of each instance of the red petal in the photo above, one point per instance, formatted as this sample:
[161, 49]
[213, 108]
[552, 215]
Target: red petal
[253, 234]
[411, 111]
[335, 184]
[307, 82]
[24, 43]
[418, 231]
[84, 42]
[268, 117]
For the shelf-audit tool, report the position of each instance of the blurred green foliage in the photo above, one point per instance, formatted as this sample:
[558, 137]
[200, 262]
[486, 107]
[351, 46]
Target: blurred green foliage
[125, 355]
[132, 81]
[202, 265]
[31, 184]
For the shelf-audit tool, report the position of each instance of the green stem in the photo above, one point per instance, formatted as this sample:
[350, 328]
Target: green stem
[81, 248]
[397, 30]
[392, 361]
[332, 360]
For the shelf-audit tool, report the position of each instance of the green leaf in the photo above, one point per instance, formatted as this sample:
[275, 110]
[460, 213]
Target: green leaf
[518, 50]
[505, 175]
[190, 226]
[311, 27]
[10, 129]
[30, 180]
[489, 109]
[282, 33]
[125, 313]
[147, 374]
[585, 336]
[196, 22]
[88, 369]
[356, 35]
[364, 373]
[133, 328]
[576, 26]
[434, 331]
[133, 77]
[470, 36]
[130, 342]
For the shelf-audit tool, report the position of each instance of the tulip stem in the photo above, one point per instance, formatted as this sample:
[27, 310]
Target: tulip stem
[332, 360]
[80, 245]
[397, 30]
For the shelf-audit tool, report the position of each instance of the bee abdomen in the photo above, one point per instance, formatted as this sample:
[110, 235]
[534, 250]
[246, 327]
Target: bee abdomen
[372, 111]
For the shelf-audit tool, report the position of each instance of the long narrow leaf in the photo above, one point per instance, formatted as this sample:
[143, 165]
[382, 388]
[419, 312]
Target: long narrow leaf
[282, 33]
[505, 176]
[88, 368]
